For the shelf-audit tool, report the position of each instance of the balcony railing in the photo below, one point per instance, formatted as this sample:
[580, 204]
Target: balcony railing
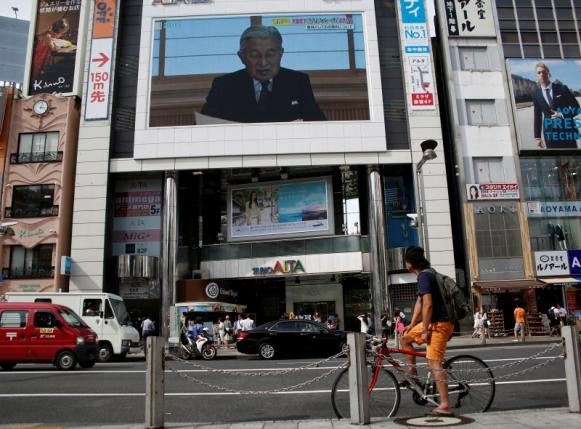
[25, 158]
[11, 212]
[28, 273]
[307, 246]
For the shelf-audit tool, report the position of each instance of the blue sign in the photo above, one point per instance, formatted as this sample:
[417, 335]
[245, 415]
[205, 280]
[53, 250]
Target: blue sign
[417, 49]
[574, 262]
[412, 11]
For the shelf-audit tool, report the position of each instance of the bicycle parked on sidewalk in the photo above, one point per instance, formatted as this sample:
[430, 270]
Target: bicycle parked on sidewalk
[470, 383]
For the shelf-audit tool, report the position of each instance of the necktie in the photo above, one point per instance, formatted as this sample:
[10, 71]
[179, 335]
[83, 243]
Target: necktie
[263, 98]
[549, 98]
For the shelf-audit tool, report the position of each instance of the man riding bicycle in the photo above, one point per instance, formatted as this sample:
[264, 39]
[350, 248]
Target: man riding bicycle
[430, 325]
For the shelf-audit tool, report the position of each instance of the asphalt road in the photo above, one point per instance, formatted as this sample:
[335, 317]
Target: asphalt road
[113, 393]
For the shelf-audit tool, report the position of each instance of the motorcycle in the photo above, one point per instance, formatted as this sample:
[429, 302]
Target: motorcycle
[189, 349]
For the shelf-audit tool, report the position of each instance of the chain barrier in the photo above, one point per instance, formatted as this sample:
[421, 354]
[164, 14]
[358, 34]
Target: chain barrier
[258, 392]
[453, 372]
[273, 372]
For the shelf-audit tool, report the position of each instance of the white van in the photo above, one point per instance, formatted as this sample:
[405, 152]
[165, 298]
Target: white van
[105, 314]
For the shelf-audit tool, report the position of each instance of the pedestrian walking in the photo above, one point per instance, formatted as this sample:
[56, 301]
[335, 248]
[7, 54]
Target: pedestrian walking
[519, 322]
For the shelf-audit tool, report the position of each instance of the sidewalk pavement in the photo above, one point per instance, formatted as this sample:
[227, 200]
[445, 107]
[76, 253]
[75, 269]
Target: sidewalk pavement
[519, 419]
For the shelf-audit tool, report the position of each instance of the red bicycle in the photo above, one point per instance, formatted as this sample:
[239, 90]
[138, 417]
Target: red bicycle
[471, 384]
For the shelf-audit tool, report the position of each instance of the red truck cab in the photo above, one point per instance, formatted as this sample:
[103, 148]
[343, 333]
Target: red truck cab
[44, 333]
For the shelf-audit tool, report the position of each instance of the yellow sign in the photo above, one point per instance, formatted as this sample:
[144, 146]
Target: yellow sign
[46, 330]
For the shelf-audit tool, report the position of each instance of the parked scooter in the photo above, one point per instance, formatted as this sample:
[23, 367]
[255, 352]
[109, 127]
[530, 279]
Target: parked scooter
[202, 346]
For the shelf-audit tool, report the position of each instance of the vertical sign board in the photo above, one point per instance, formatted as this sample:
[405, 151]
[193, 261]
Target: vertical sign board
[99, 78]
[470, 18]
[416, 49]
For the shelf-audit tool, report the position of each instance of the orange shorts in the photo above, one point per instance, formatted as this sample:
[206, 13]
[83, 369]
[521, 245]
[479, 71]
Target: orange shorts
[438, 336]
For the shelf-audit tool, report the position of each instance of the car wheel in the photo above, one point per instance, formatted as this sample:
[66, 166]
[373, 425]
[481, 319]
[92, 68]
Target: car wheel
[7, 366]
[266, 351]
[87, 364]
[105, 352]
[66, 361]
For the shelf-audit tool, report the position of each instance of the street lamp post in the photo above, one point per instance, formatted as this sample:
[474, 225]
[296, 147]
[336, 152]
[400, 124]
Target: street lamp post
[429, 153]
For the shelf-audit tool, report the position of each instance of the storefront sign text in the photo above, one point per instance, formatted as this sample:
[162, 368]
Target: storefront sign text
[554, 208]
[558, 263]
[492, 191]
[283, 267]
[496, 209]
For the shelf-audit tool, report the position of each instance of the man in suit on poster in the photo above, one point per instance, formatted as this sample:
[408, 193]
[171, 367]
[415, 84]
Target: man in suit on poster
[263, 91]
[554, 110]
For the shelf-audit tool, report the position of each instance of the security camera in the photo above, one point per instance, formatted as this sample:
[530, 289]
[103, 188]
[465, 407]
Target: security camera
[413, 219]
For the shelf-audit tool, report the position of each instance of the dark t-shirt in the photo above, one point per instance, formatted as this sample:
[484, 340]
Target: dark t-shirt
[427, 283]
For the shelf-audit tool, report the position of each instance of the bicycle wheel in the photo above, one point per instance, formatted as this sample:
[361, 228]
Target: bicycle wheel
[383, 401]
[470, 384]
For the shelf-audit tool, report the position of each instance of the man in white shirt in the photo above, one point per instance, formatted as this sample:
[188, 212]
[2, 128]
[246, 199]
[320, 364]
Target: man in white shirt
[247, 323]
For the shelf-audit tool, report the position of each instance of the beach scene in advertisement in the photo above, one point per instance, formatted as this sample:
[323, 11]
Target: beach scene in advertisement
[275, 209]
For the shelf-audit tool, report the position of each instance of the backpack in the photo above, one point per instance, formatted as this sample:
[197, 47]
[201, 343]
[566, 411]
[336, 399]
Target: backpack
[453, 296]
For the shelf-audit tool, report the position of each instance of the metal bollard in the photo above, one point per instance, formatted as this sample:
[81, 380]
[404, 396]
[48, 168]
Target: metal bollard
[154, 383]
[358, 396]
[572, 352]
[483, 335]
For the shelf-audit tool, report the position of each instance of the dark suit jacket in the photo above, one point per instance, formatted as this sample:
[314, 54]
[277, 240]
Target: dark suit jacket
[562, 98]
[232, 97]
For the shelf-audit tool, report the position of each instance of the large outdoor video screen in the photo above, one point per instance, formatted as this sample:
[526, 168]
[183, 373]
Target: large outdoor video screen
[547, 96]
[280, 209]
[200, 73]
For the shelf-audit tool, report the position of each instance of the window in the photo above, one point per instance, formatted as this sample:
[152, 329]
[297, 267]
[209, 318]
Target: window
[497, 230]
[91, 307]
[474, 58]
[32, 201]
[13, 319]
[286, 327]
[488, 170]
[31, 263]
[481, 112]
[38, 147]
[44, 319]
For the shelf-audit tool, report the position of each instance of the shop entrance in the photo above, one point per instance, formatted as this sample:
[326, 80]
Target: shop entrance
[323, 308]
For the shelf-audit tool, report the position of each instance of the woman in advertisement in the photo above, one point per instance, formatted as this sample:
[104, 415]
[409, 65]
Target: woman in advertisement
[47, 44]
[253, 210]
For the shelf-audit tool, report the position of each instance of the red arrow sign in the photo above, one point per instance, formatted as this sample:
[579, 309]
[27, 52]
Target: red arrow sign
[102, 59]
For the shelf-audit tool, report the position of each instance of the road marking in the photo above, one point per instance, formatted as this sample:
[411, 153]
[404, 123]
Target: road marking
[294, 392]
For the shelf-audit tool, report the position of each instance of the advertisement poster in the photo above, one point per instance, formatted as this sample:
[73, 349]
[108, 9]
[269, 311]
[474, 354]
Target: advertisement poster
[281, 209]
[492, 191]
[546, 96]
[55, 46]
[235, 69]
[137, 217]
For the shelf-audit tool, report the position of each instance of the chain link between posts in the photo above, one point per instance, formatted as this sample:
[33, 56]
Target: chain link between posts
[452, 373]
[297, 386]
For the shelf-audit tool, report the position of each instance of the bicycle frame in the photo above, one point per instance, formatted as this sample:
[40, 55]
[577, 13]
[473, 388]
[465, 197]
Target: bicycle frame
[385, 353]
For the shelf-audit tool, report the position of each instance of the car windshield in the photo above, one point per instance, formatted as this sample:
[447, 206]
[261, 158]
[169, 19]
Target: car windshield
[120, 310]
[72, 319]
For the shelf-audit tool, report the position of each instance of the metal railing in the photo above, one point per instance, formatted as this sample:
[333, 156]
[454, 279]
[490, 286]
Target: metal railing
[26, 158]
[25, 212]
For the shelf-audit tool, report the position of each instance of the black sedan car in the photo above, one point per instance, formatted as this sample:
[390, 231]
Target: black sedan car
[291, 337]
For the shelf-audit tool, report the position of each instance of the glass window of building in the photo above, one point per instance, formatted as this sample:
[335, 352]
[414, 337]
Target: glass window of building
[38, 147]
[552, 190]
[31, 263]
[32, 201]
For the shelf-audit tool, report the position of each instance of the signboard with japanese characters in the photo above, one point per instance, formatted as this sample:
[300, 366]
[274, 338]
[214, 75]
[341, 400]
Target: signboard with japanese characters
[575, 262]
[470, 18]
[492, 191]
[416, 49]
[100, 65]
[552, 263]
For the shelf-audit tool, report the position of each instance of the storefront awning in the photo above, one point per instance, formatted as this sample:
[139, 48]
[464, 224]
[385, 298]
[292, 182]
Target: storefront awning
[560, 280]
[510, 284]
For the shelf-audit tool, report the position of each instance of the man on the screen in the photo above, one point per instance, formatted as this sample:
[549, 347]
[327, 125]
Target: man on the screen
[263, 91]
[554, 110]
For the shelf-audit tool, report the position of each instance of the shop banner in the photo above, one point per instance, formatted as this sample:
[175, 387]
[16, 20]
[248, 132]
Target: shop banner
[546, 98]
[554, 208]
[137, 218]
[575, 262]
[470, 18]
[280, 209]
[55, 46]
[552, 263]
[492, 191]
